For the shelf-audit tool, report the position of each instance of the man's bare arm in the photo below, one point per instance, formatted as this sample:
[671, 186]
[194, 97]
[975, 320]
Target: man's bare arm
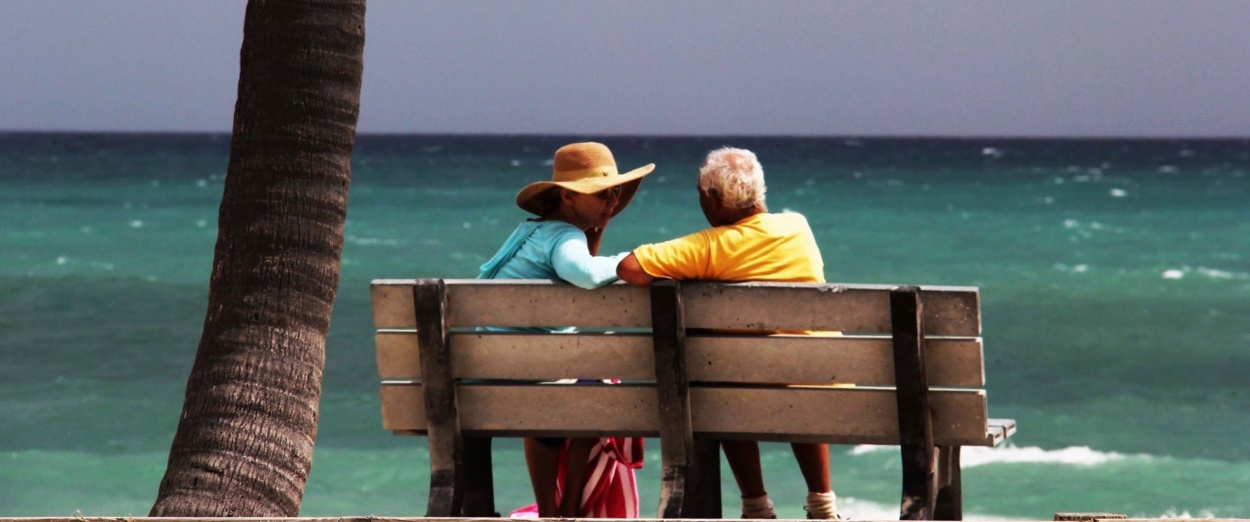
[631, 272]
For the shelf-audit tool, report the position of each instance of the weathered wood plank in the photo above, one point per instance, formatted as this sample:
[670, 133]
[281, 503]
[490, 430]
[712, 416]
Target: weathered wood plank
[778, 306]
[999, 430]
[845, 308]
[522, 356]
[847, 415]
[823, 360]
[719, 358]
[825, 414]
[517, 303]
[572, 410]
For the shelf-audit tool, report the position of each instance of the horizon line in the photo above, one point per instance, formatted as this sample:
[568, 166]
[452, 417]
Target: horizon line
[952, 137]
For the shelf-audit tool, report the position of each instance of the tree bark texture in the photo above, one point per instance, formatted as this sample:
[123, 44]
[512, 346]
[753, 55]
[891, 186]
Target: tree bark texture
[245, 439]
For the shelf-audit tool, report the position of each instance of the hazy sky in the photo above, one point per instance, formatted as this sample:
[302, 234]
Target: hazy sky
[866, 68]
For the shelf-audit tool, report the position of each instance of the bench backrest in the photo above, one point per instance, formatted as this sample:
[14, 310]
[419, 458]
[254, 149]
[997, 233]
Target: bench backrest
[740, 386]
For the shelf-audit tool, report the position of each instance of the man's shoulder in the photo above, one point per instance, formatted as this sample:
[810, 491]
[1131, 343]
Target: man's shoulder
[789, 215]
[785, 222]
[686, 238]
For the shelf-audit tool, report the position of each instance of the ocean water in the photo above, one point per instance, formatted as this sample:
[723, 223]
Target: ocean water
[1115, 280]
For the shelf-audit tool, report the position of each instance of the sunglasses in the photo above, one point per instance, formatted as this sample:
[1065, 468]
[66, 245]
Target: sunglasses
[609, 194]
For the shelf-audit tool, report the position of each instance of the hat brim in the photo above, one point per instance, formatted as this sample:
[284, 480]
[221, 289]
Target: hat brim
[629, 182]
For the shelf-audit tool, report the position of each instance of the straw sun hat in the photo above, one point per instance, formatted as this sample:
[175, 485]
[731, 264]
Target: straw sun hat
[584, 168]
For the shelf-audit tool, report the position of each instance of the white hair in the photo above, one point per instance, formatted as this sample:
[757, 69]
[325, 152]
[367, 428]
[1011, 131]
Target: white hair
[735, 175]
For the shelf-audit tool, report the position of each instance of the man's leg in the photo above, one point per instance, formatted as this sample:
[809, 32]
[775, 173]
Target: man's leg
[744, 460]
[814, 465]
[813, 462]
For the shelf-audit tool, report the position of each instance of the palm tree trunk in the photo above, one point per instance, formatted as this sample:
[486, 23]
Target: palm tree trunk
[245, 440]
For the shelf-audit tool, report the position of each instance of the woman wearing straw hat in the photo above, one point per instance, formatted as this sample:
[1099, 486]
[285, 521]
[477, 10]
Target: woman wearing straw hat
[562, 243]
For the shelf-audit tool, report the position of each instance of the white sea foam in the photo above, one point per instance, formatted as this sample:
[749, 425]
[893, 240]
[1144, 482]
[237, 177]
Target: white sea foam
[1076, 269]
[973, 456]
[372, 241]
[858, 509]
[1118, 193]
[1207, 272]
[1222, 274]
[863, 449]
[1172, 513]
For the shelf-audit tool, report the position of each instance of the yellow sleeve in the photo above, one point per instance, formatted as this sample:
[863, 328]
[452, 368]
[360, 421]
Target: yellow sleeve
[686, 257]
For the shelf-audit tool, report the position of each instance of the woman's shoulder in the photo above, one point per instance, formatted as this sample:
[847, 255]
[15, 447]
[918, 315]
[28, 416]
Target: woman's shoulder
[555, 229]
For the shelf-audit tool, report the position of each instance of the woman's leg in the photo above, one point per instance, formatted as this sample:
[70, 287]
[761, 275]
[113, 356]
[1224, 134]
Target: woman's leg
[575, 476]
[543, 460]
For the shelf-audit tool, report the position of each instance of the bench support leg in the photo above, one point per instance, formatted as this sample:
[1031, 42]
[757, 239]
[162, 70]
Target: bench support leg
[950, 504]
[915, 426]
[672, 384]
[479, 481]
[703, 500]
[439, 389]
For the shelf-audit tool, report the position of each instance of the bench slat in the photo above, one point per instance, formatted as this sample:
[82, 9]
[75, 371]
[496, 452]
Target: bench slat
[803, 359]
[845, 308]
[780, 306]
[518, 303]
[1000, 430]
[836, 415]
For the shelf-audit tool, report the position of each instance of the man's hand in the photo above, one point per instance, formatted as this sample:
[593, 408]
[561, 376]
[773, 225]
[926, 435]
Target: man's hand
[631, 272]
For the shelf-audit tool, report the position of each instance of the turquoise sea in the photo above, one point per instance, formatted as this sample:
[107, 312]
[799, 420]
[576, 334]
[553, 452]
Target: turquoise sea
[1115, 279]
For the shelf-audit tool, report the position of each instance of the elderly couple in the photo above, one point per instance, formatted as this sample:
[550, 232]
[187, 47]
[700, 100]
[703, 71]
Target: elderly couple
[595, 477]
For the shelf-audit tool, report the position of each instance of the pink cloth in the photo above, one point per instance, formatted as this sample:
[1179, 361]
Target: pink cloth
[610, 490]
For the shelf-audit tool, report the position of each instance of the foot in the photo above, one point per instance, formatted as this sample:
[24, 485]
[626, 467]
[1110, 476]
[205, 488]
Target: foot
[836, 516]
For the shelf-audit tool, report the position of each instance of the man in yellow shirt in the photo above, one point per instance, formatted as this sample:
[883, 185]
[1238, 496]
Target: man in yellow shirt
[745, 243]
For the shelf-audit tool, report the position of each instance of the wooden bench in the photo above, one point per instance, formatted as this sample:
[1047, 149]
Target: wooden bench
[913, 353]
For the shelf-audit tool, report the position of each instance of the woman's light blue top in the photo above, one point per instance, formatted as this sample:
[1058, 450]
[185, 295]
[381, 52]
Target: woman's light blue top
[551, 250]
